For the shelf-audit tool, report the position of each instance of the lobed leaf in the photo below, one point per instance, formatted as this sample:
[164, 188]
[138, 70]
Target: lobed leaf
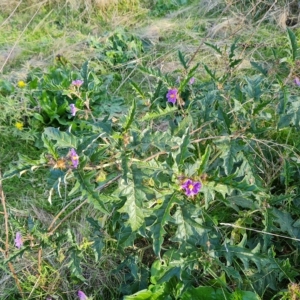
[163, 217]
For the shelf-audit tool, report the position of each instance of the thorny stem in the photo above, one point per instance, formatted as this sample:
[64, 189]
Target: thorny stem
[5, 220]
[40, 252]
[59, 214]
[6, 251]
[260, 231]
[67, 216]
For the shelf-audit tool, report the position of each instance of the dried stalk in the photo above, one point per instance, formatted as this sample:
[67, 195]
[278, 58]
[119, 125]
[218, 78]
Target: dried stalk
[77, 207]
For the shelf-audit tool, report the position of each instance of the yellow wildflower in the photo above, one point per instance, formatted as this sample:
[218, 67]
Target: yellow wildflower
[19, 125]
[101, 176]
[21, 84]
[60, 164]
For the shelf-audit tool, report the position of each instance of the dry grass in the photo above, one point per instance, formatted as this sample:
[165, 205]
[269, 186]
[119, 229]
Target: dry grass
[9, 7]
[70, 41]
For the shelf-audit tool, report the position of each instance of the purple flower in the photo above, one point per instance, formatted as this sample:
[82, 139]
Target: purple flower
[82, 295]
[172, 95]
[191, 187]
[18, 240]
[73, 109]
[297, 81]
[77, 82]
[192, 80]
[74, 158]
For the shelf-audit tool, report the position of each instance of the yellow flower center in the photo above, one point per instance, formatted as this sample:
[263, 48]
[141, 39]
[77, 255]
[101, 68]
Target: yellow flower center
[21, 84]
[60, 164]
[19, 125]
[191, 187]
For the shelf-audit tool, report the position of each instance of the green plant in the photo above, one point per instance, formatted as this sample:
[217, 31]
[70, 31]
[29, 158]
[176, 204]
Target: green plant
[120, 48]
[174, 185]
[162, 7]
[231, 137]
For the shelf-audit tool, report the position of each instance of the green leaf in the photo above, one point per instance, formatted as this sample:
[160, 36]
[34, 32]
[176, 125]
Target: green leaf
[205, 293]
[260, 107]
[55, 179]
[75, 189]
[155, 73]
[135, 194]
[253, 88]
[50, 146]
[156, 92]
[98, 245]
[85, 74]
[210, 73]
[74, 264]
[163, 217]
[246, 255]
[183, 151]
[141, 295]
[63, 139]
[89, 142]
[259, 67]
[182, 59]
[209, 293]
[100, 126]
[287, 173]
[157, 270]
[223, 116]
[216, 48]
[24, 164]
[240, 201]
[39, 117]
[173, 271]
[88, 189]
[293, 43]
[229, 158]
[244, 295]
[190, 232]
[183, 125]
[234, 63]
[125, 236]
[160, 113]
[229, 150]
[285, 222]
[130, 116]
[230, 183]
[138, 90]
[204, 160]
[133, 208]
[124, 164]
[232, 50]
[12, 257]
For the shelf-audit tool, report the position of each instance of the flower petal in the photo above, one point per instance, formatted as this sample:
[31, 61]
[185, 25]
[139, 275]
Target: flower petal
[18, 240]
[82, 295]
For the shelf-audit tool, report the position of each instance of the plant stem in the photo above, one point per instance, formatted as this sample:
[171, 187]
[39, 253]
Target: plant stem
[77, 207]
